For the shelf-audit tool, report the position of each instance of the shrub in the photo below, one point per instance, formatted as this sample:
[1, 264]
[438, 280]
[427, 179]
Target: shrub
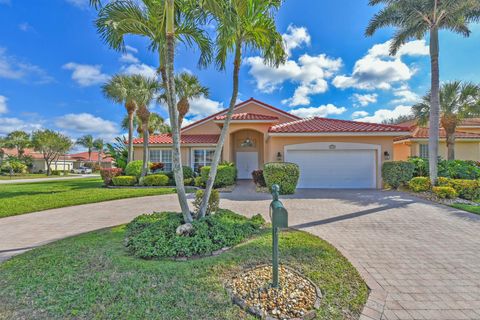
[282, 173]
[153, 236]
[188, 182]
[459, 169]
[198, 182]
[258, 178]
[187, 174]
[124, 180]
[419, 184]
[56, 172]
[213, 202]
[157, 166]
[421, 166]
[15, 166]
[226, 175]
[444, 182]
[155, 180]
[445, 192]
[397, 173]
[134, 168]
[466, 189]
[108, 174]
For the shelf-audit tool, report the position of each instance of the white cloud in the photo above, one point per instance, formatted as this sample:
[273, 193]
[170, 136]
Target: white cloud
[405, 96]
[82, 4]
[378, 70]
[295, 37]
[86, 75]
[131, 49]
[202, 107]
[310, 72]
[3, 104]
[25, 27]
[8, 125]
[386, 114]
[142, 69]
[128, 58]
[321, 111]
[359, 114]
[86, 123]
[13, 68]
[365, 99]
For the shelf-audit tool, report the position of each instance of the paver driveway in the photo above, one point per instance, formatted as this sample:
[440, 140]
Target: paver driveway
[421, 260]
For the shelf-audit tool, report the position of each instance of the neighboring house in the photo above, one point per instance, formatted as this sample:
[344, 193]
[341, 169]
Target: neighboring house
[415, 144]
[331, 153]
[81, 159]
[39, 164]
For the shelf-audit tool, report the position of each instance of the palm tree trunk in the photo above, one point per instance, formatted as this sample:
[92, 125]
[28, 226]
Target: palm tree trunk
[223, 134]
[89, 154]
[130, 136]
[434, 125]
[172, 108]
[451, 145]
[145, 149]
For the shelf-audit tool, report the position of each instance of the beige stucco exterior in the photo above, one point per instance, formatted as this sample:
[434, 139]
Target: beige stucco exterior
[464, 149]
[270, 147]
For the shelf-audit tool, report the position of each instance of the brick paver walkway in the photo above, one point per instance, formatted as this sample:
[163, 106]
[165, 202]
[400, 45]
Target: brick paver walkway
[421, 260]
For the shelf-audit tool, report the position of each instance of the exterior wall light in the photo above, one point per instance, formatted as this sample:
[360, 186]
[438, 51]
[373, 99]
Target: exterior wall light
[279, 156]
[386, 155]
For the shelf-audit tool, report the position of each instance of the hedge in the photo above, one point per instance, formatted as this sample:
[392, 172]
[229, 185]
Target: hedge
[284, 174]
[124, 180]
[445, 192]
[466, 189]
[226, 175]
[455, 169]
[419, 184]
[155, 180]
[108, 174]
[134, 168]
[397, 173]
[187, 174]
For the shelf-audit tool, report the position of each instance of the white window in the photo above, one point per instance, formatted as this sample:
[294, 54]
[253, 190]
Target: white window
[162, 155]
[424, 150]
[202, 157]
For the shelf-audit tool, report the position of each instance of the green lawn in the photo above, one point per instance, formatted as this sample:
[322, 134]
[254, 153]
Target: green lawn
[92, 277]
[23, 198]
[25, 176]
[466, 207]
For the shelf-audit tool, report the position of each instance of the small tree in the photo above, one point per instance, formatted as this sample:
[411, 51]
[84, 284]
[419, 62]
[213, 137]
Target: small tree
[51, 144]
[87, 142]
[99, 145]
[19, 140]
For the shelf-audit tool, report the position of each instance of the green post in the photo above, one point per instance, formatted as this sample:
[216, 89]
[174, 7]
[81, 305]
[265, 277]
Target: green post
[275, 257]
[279, 217]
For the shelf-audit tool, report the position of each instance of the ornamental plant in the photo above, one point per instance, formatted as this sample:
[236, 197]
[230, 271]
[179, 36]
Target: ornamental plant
[108, 174]
[419, 184]
[397, 173]
[284, 174]
[445, 192]
[134, 168]
[155, 180]
[124, 181]
[226, 175]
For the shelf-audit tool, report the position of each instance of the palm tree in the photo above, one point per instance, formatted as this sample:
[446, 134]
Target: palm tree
[457, 101]
[19, 140]
[241, 24]
[120, 89]
[99, 145]
[145, 91]
[158, 20]
[414, 19]
[87, 142]
[156, 124]
[187, 87]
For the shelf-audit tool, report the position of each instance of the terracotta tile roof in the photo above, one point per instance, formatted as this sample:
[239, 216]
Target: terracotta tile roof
[471, 122]
[422, 133]
[185, 139]
[238, 106]
[248, 116]
[317, 124]
[83, 156]
[28, 152]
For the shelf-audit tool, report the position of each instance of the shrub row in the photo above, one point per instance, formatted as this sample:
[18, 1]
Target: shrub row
[397, 173]
[466, 189]
[108, 174]
[226, 176]
[455, 169]
[124, 181]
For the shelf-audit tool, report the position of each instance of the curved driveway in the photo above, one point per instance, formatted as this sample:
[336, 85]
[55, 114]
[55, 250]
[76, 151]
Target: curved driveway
[421, 260]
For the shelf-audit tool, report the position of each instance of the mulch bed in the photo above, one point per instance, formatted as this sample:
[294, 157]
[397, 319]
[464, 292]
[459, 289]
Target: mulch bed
[296, 298]
[428, 195]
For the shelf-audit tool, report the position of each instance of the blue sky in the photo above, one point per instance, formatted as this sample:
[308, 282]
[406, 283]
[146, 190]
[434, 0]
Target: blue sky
[52, 64]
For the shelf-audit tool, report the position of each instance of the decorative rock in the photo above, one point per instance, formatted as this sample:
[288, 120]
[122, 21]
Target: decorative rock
[184, 229]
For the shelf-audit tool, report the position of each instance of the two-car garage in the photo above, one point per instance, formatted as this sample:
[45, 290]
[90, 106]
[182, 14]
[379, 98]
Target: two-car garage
[335, 165]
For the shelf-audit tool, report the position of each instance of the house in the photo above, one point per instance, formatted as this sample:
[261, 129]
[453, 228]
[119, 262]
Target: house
[331, 153]
[415, 144]
[39, 164]
[82, 159]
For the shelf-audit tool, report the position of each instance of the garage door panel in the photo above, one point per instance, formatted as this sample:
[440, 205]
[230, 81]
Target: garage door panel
[334, 168]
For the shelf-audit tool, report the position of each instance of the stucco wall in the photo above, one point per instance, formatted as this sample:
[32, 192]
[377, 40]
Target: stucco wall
[185, 153]
[402, 151]
[464, 150]
[467, 129]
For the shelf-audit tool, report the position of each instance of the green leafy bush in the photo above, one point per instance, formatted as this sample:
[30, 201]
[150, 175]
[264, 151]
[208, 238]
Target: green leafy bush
[56, 172]
[188, 182]
[226, 175]
[419, 184]
[155, 180]
[187, 174]
[134, 168]
[107, 174]
[153, 236]
[459, 169]
[213, 202]
[284, 174]
[445, 192]
[466, 189]
[421, 166]
[124, 180]
[397, 173]
[258, 178]
[15, 166]
[198, 182]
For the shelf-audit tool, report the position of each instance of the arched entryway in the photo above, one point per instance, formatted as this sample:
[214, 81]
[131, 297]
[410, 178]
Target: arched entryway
[247, 151]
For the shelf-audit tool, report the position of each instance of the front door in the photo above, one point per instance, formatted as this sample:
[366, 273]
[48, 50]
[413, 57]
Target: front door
[246, 163]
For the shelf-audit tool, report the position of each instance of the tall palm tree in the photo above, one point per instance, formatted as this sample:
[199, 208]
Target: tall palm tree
[415, 19]
[120, 89]
[99, 145]
[241, 24]
[87, 142]
[457, 101]
[157, 20]
[156, 124]
[187, 87]
[145, 91]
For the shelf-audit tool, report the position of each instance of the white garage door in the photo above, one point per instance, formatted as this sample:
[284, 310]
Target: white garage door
[334, 169]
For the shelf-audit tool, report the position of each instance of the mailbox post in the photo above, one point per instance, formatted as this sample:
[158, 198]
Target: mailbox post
[279, 218]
